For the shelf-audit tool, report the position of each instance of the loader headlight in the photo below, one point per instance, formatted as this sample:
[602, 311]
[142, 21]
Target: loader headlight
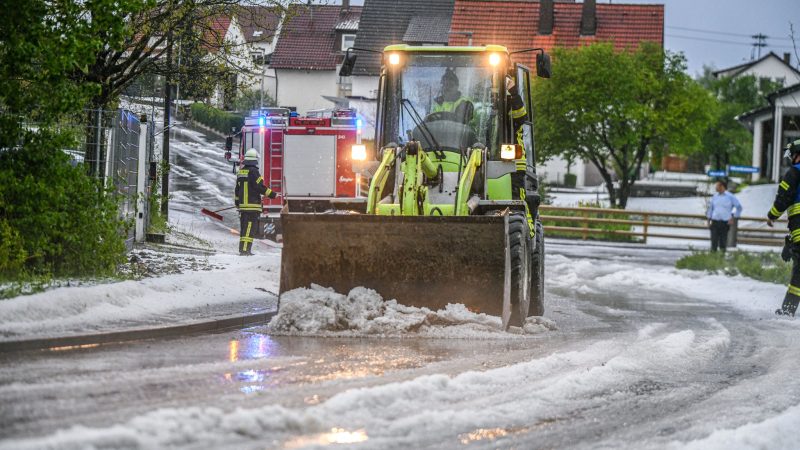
[494, 59]
[510, 151]
[359, 152]
[394, 59]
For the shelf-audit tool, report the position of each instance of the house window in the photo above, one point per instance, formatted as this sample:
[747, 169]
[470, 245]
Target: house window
[347, 41]
[258, 58]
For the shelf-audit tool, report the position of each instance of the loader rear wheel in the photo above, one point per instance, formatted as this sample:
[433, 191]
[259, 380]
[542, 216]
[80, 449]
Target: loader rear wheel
[519, 243]
[537, 274]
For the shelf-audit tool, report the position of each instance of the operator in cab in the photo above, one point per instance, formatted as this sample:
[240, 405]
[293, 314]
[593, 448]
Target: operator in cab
[451, 100]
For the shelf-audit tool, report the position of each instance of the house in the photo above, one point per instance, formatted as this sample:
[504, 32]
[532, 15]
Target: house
[309, 52]
[774, 126]
[417, 22]
[547, 24]
[769, 66]
[517, 24]
[226, 43]
[261, 26]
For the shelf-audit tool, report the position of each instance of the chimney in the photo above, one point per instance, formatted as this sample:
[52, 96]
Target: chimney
[589, 18]
[787, 58]
[345, 5]
[546, 18]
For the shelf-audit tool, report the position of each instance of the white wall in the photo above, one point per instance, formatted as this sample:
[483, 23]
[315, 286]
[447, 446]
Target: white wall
[304, 89]
[554, 169]
[773, 68]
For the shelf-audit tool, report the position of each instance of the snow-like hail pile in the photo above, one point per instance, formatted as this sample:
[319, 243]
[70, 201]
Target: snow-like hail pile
[322, 311]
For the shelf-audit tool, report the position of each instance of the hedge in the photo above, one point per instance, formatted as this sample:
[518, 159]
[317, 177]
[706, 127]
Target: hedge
[216, 119]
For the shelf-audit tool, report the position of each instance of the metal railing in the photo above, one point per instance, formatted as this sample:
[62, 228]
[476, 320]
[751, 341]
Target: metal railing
[645, 224]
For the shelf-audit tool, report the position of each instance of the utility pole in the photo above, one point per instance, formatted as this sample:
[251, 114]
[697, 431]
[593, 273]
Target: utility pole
[166, 132]
[760, 41]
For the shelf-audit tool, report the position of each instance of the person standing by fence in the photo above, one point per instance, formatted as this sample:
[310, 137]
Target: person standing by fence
[722, 211]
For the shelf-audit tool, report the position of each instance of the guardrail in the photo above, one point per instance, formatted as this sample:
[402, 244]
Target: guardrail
[646, 224]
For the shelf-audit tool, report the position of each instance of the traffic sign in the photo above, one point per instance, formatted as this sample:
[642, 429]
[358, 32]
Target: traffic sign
[716, 173]
[743, 169]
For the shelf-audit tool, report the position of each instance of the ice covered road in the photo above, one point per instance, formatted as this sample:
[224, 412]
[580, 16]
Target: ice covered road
[643, 357]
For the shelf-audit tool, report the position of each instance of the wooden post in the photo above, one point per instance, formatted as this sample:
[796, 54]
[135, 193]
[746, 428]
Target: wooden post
[646, 222]
[585, 225]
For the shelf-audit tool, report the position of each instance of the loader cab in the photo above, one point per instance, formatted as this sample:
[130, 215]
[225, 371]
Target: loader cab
[446, 98]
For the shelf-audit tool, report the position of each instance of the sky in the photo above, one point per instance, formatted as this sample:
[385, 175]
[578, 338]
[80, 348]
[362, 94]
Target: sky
[718, 32]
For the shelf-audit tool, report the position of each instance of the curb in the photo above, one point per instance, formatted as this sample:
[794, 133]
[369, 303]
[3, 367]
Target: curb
[69, 342]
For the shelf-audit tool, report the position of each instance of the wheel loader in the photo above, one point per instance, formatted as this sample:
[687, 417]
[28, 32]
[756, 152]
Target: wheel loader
[451, 212]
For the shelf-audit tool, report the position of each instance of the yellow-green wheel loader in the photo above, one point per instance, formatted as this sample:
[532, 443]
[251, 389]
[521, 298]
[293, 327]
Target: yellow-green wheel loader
[451, 213]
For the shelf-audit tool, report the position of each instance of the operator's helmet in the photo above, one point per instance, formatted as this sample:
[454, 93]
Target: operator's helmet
[449, 79]
[251, 155]
[792, 149]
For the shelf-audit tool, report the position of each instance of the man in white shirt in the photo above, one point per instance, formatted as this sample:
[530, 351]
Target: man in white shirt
[722, 210]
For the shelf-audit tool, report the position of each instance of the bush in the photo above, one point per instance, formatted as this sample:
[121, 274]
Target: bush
[591, 225]
[216, 119]
[54, 219]
[762, 266]
[570, 180]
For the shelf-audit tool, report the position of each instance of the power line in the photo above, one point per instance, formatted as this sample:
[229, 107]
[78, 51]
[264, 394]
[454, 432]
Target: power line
[721, 41]
[724, 33]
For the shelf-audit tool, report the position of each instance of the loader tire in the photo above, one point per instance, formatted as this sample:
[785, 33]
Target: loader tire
[519, 244]
[537, 274]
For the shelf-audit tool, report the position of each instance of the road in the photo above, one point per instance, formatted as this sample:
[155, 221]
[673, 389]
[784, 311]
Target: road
[623, 370]
[642, 357]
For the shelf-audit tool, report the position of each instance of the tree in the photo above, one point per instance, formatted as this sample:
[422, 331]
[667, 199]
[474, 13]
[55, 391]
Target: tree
[613, 108]
[53, 217]
[726, 141]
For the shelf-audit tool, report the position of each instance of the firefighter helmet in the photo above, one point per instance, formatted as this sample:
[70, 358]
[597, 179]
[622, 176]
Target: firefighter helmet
[792, 149]
[251, 155]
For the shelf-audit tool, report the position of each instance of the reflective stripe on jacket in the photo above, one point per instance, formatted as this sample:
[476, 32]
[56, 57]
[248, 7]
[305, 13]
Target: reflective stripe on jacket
[788, 200]
[249, 188]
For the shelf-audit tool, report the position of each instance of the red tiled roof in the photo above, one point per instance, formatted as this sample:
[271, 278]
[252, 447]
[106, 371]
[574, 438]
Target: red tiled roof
[308, 39]
[215, 32]
[514, 24]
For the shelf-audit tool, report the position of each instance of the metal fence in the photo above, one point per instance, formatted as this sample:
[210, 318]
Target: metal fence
[109, 148]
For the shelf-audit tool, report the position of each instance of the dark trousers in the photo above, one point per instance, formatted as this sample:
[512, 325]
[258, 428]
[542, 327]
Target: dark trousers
[719, 235]
[792, 297]
[248, 222]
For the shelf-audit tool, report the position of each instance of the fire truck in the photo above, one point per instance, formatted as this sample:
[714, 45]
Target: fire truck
[307, 160]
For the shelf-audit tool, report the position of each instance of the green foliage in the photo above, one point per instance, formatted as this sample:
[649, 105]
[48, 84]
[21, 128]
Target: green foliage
[250, 99]
[216, 119]
[12, 252]
[615, 108]
[611, 227]
[570, 180]
[762, 266]
[66, 223]
[726, 141]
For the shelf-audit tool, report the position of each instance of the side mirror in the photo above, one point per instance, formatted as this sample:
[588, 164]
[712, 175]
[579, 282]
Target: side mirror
[348, 64]
[543, 65]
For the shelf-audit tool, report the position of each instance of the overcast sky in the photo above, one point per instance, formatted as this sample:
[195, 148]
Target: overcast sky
[725, 28]
[718, 32]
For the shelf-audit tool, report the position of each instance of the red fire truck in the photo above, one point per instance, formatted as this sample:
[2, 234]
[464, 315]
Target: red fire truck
[307, 160]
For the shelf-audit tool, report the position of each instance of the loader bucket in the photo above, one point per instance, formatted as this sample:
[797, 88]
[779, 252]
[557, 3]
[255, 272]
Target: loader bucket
[420, 261]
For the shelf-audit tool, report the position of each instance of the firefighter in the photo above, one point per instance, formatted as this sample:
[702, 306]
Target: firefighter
[518, 113]
[249, 189]
[788, 199]
[451, 99]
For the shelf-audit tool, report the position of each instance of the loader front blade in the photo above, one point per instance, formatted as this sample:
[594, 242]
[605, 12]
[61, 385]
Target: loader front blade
[422, 261]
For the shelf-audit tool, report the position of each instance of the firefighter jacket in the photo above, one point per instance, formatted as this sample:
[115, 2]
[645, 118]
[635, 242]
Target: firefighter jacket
[788, 199]
[249, 188]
